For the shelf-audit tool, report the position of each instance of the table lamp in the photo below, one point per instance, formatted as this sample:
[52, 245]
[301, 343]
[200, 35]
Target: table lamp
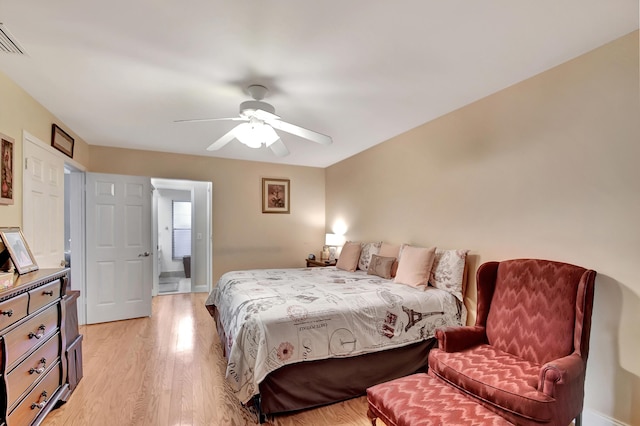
[333, 241]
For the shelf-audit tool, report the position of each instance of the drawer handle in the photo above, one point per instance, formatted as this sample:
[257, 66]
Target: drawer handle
[7, 313]
[39, 334]
[43, 361]
[40, 405]
[48, 293]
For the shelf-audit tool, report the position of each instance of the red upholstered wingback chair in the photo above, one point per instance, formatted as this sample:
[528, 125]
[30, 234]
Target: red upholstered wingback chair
[526, 356]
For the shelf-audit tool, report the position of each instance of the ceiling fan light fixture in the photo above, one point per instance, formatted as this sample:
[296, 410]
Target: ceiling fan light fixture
[260, 125]
[255, 134]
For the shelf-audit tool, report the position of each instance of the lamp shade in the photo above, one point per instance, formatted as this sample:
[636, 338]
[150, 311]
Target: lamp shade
[334, 240]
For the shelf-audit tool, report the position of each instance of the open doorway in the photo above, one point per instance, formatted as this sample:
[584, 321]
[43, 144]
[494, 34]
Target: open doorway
[74, 235]
[182, 236]
[174, 210]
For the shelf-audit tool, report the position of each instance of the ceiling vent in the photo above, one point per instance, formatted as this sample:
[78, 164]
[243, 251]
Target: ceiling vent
[8, 44]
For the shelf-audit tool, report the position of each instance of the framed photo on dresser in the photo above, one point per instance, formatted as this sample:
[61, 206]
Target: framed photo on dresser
[18, 249]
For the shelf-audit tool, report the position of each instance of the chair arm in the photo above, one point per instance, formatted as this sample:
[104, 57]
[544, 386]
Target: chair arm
[455, 339]
[561, 371]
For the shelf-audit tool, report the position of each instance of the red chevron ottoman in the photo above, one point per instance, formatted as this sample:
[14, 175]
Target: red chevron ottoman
[422, 400]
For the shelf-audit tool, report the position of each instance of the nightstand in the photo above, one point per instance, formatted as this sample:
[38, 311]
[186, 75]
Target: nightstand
[319, 263]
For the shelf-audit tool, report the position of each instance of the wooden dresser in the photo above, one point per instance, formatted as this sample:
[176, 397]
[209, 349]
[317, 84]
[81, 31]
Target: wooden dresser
[33, 346]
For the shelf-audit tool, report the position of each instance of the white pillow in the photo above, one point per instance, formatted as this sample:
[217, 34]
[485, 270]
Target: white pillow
[368, 250]
[447, 272]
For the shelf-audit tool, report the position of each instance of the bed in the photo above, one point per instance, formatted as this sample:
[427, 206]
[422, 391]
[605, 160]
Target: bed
[300, 338]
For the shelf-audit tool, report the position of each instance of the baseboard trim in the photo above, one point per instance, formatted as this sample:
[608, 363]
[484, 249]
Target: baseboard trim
[200, 289]
[595, 418]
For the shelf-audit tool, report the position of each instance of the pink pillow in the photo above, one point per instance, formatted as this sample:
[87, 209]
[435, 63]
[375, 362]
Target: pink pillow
[415, 265]
[348, 260]
[390, 250]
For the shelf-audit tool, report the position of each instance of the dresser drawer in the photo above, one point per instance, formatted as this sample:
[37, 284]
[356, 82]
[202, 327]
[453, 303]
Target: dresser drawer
[30, 334]
[13, 310]
[44, 295]
[32, 368]
[30, 406]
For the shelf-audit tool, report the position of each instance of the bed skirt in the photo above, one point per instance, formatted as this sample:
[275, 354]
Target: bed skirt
[311, 384]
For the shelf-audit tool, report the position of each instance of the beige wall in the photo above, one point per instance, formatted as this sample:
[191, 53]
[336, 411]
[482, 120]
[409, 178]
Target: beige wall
[547, 168]
[243, 237]
[18, 112]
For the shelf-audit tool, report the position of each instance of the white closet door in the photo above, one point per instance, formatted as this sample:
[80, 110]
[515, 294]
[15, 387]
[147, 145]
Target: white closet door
[43, 203]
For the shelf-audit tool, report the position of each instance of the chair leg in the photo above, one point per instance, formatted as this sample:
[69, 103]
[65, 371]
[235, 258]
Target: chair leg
[578, 420]
[372, 417]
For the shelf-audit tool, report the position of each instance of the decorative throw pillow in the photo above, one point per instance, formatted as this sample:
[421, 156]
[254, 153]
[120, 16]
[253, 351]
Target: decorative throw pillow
[447, 272]
[414, 266]
[381, 266]
[348, 260]
[368, 249]
[401, 249]
[391, 250]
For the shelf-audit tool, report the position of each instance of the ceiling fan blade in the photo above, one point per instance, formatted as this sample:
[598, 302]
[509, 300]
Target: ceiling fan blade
[225, 139]
[279, 148]
[300, 131]
[194, 120]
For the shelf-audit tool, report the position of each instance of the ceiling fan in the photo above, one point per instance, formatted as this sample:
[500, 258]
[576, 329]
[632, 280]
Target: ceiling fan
[259, 122]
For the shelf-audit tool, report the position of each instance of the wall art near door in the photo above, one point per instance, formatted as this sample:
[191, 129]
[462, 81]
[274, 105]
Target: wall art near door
[18, 249]
[6, 169]
[275, 195]
[61, 140]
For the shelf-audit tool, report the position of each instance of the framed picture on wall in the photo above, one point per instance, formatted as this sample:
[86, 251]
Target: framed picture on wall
[6, 169]
[275, 195]
[18, 249]
[61, 140]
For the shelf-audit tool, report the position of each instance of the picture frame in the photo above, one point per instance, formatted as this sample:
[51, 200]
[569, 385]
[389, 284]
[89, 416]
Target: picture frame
[19, 251]
[275, 195]
[7, 148]
[61, 140]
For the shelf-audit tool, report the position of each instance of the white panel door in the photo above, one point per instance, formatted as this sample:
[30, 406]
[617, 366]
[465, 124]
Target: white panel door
[43, 204]
[118, 242]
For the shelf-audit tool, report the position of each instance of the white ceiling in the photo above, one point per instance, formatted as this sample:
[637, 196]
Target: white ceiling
[119, 72]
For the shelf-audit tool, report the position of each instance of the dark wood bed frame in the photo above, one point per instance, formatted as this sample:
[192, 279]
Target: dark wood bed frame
[314, 383]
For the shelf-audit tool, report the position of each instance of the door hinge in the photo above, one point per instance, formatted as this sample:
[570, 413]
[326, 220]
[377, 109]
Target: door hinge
[26, 164]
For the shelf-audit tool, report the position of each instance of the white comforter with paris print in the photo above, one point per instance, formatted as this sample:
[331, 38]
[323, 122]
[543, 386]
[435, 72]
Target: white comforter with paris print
[275, 317]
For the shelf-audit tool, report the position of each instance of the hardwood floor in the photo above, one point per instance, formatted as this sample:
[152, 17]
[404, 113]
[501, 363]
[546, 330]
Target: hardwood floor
[169, 370]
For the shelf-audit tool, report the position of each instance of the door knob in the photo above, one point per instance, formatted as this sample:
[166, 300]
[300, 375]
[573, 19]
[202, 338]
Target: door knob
[145, 254]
